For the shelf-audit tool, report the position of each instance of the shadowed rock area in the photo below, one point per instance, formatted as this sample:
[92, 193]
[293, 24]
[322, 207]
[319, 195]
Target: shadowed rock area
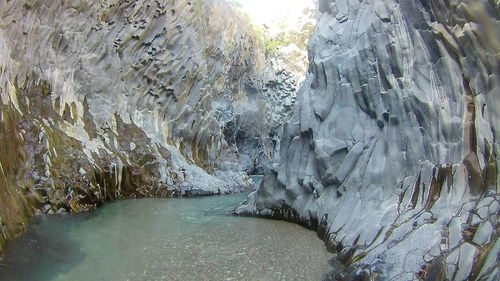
[122, 99]
[392, 151]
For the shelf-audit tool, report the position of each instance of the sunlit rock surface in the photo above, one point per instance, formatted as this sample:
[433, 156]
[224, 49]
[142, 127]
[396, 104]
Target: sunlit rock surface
[392, 152]
[110, 99]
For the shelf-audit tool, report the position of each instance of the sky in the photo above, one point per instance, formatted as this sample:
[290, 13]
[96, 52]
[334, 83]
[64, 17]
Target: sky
[269, 12]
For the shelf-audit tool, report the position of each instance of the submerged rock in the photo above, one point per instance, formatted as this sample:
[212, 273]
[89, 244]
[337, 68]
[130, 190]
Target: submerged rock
[392, 151]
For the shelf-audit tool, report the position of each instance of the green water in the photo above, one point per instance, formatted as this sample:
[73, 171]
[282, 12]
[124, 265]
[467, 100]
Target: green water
[257, 179]
[165, 239]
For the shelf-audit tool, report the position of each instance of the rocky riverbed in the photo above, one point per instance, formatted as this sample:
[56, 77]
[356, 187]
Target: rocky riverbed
[165, 239]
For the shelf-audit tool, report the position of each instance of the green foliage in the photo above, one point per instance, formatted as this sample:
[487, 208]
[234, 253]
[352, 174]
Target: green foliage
[272, 46]
[261, 36]
[234, 4]
[238, 8]
[286, 36]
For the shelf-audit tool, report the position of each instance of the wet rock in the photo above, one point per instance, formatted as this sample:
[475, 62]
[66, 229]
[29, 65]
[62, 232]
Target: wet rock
[46, 208]
[397, 120]
[483, 233]
[122, 100]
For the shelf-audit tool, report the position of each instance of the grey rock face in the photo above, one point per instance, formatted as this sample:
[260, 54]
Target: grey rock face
[255, 127]
[112, 99]
[146, 63]
[392, 152]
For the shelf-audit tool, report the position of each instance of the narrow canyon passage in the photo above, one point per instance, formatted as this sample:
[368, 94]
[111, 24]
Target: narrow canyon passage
[375, 123]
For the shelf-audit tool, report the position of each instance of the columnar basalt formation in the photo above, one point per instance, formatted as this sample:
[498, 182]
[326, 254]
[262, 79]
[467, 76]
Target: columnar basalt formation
[117, 99]
[392, 151]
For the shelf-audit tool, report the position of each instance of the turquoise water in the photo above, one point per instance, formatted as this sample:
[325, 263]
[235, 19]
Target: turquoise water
[257, 179]
[165, 239]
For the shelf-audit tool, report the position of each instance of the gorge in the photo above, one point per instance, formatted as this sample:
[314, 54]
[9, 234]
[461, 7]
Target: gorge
[388, 150]
[123, 99]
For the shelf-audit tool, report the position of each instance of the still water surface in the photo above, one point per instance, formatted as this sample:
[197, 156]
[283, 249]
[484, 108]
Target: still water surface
[165, 239]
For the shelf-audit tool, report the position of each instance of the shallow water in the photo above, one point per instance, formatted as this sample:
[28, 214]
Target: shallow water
[165, 239]
[257, 179]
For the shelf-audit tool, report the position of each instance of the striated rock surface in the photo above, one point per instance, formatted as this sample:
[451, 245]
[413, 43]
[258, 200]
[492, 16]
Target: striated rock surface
[116, 99]
[392, 152]
[254, 128]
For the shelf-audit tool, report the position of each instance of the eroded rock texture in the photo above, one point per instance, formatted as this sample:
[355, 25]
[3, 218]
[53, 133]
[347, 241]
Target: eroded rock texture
[111, 99]
[392, 153]
[254, 127]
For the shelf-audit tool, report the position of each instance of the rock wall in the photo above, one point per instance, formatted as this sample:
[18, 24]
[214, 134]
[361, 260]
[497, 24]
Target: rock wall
[392, 152]
[254, 129]
[115, 99]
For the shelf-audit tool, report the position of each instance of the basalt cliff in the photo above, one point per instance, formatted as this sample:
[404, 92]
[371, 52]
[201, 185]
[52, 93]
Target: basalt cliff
[122, 99]
[392, 152]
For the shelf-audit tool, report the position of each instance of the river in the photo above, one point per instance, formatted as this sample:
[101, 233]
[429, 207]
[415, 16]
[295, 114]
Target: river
[165, 239]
